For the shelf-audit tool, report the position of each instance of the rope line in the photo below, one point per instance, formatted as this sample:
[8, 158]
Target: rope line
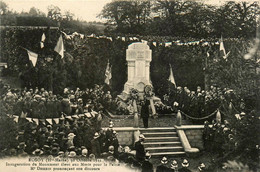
[195, 118]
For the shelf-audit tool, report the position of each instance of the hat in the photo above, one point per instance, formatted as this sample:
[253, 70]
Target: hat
[83, 147]
[96, 135]
[201, 166]
[111, 148]
[60, 153]
[55, 144]
[72, 148]
[164, 160]
[71, 135]
[21, 145]
[84, 152]
[185, 163]
[21, 132]
[147, 155]
[72, 154]
[46, 147]
[37, 152]
[141, 136]
[54, 151]
[174, 164]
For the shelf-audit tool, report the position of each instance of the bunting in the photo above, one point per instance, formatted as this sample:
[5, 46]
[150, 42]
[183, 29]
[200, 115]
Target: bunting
[36, 121]
[49, 121]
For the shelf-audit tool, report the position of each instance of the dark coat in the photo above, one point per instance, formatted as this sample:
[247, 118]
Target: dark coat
[95, 147]
[140, 152]
[162, 168]
[147, 166]
[145, 110]
[184, 169]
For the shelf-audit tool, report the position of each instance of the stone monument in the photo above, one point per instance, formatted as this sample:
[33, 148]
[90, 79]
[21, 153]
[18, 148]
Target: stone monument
[138, 56]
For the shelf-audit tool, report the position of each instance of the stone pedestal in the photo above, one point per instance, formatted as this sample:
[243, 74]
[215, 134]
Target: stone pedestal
[138, 56]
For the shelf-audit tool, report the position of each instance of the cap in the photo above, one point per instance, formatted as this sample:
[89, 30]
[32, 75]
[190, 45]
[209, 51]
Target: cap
[164, 160]
[72, 154]
[141, 136]
[71, 135]
[185, 163]
[147, 155]
[174, 164]
[96, 135]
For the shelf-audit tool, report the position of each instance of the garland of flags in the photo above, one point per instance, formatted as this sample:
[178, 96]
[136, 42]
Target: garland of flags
[49, 120]
[59, 48]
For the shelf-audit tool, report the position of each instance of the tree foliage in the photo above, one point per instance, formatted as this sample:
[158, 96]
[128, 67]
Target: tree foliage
[183, 18]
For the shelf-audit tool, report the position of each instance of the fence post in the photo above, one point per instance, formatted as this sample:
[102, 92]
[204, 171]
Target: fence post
[136, 120]
[218, 117]
[178, 118]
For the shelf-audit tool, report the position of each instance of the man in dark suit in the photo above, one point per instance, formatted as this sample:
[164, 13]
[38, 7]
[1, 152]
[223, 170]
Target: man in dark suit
[139, 147]
[145, 112]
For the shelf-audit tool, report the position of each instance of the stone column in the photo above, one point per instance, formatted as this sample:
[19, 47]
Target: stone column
[138, 56]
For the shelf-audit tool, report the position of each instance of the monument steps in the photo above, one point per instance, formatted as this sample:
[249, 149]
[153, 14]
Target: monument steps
[161, 144]
[165, 149]
[168, 154]
[163, 141]
[162, 138]
[161, 134]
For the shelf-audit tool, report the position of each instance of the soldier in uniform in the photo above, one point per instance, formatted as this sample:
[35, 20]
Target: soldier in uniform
[147, 166]
[174, 166]
[163, 167]
[185, 164]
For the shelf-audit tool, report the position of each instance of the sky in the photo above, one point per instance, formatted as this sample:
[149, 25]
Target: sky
[83, 9]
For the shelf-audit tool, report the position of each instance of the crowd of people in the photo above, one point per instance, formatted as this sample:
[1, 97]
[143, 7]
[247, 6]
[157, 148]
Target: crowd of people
[198, 103]
[40, 103]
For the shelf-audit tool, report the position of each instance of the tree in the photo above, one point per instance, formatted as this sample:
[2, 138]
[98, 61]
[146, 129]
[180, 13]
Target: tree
[36, 12]
[3, 8]
[68, 16]
[54, 13]
[127, 16]
[236, 19]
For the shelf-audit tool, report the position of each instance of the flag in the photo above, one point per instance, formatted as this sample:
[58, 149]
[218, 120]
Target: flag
[56, 120]
[108, 74]
[171, 77]
[222, 49]
[60, 47]
[23, 115]
[36, 121]
[16, 118]
[42, 40]
[167, 44]
[29, 119]
[49, 121]
[33, 57]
